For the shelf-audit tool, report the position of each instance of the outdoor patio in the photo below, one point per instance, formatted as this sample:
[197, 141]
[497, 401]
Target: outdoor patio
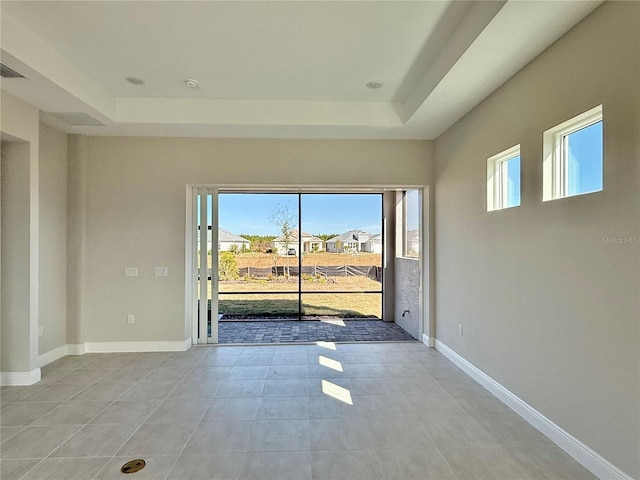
[330, 330]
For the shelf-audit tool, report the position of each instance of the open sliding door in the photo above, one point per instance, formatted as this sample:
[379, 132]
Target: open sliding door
[205, 262]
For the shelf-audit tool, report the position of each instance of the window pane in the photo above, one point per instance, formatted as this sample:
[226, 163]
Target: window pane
[412, 223]
[342, 241]
[512, 183]
[258, 306]
[342, 305]
[584, 160]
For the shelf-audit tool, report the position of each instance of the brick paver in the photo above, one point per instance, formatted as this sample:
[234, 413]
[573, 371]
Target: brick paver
[310, 331]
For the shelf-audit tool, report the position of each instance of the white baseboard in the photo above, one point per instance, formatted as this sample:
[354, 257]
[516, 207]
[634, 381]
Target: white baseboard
[119, 347]
[76, 348]
[52, 355]
[427, 340]
[593, 461]
[11, 379]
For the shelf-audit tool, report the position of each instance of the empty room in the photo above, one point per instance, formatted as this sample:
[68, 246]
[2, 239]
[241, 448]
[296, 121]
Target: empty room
[320, 240]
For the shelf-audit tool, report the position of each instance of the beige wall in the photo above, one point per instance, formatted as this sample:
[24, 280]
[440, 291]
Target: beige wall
[549, 310]
[15, 257]
[76, 237]
[19, 121]
[134, 192]
[53, 239]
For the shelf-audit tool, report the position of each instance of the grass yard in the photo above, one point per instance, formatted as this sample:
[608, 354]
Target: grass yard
[285, 305]
[352, 305]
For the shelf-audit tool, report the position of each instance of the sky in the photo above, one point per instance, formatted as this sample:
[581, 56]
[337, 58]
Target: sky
[585, 159]
[513, 182]
[321, 213]
[585, 164]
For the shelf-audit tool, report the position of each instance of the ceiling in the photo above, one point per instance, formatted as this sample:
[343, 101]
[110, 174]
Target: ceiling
[270, 69]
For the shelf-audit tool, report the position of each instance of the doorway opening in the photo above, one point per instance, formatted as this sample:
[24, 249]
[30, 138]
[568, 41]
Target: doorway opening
[291, 267]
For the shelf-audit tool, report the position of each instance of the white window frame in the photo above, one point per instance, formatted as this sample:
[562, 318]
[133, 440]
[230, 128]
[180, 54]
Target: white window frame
[556, 162]
[403, 234]
[497, 178]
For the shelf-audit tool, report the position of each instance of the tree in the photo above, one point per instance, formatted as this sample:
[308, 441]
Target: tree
[326, 236]
[284, 220]
[259, 243]
[227, 266]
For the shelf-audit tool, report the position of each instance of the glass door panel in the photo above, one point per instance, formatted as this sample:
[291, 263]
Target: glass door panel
[258, 256]
[270, 268]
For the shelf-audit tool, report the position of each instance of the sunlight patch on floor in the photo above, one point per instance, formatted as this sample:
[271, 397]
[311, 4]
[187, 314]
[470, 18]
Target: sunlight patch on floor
[330, 363]
[333, 321]
[337, 392]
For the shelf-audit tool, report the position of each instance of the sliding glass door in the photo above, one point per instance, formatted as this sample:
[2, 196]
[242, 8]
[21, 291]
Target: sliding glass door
[286, 256]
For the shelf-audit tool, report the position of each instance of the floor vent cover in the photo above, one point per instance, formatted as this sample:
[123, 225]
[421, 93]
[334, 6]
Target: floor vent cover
[133, 466]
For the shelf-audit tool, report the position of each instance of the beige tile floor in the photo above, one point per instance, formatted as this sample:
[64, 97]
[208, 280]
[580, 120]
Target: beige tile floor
[366, 411]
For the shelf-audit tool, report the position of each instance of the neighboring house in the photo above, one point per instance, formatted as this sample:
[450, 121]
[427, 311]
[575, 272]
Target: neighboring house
[310, 243]
[227, 240]
[351, 242]
[413, 242]
[373, 245]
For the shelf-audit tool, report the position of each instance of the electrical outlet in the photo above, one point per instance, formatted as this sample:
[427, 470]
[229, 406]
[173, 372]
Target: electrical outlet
[130, 319]
[40, 331]
[460, 330]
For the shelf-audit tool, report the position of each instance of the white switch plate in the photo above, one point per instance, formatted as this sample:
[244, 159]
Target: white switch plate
[130, 319]
[460, 330]
[40, 331]
[130, 271]
[161, 271]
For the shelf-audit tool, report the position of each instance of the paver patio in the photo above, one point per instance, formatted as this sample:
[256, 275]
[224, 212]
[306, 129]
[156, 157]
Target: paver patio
[311, 331]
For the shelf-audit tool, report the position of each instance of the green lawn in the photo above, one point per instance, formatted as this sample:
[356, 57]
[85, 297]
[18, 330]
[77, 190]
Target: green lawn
[281, 304]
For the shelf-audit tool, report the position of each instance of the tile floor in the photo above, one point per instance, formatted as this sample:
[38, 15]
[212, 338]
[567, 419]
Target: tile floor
[329, 411]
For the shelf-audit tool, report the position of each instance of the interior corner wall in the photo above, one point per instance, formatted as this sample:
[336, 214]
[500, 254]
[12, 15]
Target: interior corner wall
[20, 122]
[15, 301]
[548, 292]
[53, 239]
[76, 237]
[133, 195]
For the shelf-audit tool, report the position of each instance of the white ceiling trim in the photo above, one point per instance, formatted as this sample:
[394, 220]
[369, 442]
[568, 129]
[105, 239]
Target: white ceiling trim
[470, 27]
[23, 49]
[474, 48]
[255, 112]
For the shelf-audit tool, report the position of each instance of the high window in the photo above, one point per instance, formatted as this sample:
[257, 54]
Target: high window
[503, 179]
[411, 223]
[573, 156]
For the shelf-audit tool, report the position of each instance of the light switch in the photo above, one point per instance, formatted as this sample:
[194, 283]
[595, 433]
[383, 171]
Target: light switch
[130, 271]
[161, 271]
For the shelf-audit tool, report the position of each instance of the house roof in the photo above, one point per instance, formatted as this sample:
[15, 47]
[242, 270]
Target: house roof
[226, 236]
[291, 69]
[351, 236]
[375, 239]
[306, 237]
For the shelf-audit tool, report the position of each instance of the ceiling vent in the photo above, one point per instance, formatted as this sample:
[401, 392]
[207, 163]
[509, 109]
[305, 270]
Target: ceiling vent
[77, 119]
[8, 72]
